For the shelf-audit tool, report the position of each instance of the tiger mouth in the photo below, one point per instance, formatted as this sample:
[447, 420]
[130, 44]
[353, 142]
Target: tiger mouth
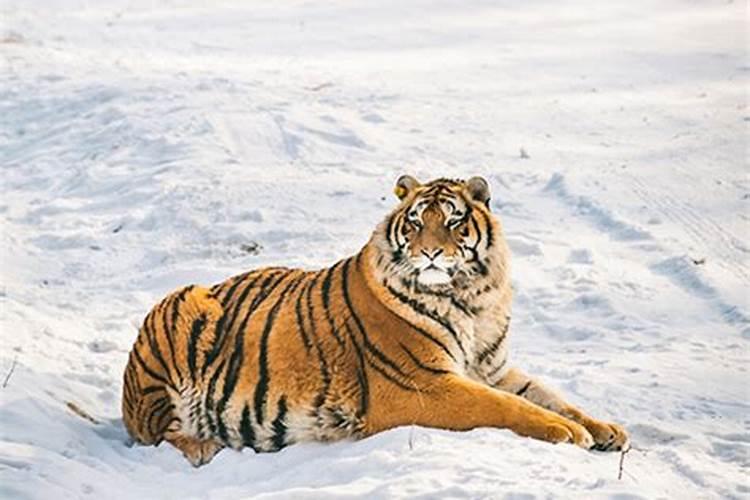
[433, 275]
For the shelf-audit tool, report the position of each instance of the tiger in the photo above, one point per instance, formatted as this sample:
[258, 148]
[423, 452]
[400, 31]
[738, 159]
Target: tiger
[412, 330]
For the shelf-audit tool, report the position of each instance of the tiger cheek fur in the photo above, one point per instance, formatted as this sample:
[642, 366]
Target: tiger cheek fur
[276, 356]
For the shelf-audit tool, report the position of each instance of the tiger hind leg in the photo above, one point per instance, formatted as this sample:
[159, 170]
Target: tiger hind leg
[197, 447]
[197, 451]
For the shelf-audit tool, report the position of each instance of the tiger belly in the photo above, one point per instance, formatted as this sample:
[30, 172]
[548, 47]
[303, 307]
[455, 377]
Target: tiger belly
[237, 427]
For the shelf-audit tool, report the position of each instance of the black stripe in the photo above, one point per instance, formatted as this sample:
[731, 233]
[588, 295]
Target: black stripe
[494, 371]
[150, 334]
[369, 347]
[322, 395]
[300, 320]
[310, 309]
[246, 428]
[457, 303]
[325, 291]
[279, 426]
[261, 387]
[364, 386]
[195, 333]
[233, 288]
[166, 304]
[391, 378]
[221, 427]
[209, 400]
[449, 196]
[362, 381]
[490, 350]
[483, 270]
[490, 236]
[438, 371]
[388, 228]
[151, 373]
[127, 394]
[195, 415]
[399, 231]
[127, 401]
[159, 416]
[129, 383]
[235, 313]
[464, 308]
[175, 315]
[163, 428]
[221, 333]
[235, 361]
[434, 191]
[157, 404]
[154, 411]
[152, 388]
[478, 231]
[422, 310]
[523, 389]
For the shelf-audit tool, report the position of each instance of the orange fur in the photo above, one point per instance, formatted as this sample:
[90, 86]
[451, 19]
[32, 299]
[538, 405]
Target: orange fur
[411, 330]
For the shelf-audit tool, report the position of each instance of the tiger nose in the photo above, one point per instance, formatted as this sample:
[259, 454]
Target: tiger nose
[432, 255]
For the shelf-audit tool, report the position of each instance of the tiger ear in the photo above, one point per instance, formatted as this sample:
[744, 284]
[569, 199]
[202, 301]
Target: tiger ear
[404, 185]
[479, 190]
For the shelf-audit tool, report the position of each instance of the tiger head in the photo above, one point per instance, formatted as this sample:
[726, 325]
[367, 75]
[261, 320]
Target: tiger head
[442, 235]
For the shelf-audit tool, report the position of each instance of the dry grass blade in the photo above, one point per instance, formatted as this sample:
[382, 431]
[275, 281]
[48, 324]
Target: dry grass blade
[10, 372]
[81, 413]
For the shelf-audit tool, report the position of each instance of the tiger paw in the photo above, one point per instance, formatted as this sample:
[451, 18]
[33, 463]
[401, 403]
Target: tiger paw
[566, 431]
[607, 436]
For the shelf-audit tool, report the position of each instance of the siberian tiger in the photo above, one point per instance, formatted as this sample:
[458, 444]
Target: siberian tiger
[411, 330]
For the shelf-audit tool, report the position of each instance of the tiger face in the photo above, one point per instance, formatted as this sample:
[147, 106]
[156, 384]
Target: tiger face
[441, 235]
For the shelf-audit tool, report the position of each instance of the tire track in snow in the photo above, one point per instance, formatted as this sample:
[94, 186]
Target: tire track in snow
[597, 215]
[701, 229]
[677, 269]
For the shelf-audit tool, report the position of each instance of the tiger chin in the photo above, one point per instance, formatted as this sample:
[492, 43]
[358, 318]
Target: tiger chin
[411, 330]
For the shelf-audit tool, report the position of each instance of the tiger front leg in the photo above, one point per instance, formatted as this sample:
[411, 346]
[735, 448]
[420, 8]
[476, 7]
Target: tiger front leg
[607, 436]
[457, 403]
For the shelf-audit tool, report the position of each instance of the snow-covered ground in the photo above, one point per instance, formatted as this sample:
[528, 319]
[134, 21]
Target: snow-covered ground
[146, 145]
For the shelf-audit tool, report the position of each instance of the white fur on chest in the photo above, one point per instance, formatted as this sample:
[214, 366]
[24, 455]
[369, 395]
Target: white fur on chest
[490, 342]
[482, 335]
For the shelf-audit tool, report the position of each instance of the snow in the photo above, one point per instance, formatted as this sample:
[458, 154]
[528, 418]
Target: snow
[147, 145]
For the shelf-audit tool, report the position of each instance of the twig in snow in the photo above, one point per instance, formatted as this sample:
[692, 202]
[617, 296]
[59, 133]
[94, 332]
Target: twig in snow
[319, 87]
[622, 461]
[10, 372]
[81, 413]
